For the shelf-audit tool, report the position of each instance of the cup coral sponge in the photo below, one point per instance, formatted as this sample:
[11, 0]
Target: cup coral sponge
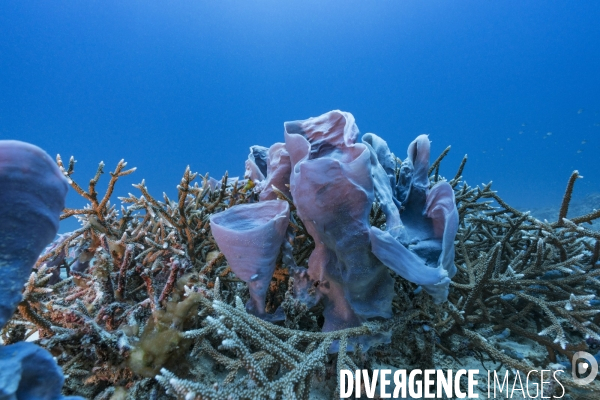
[250, 236]
[333, 183]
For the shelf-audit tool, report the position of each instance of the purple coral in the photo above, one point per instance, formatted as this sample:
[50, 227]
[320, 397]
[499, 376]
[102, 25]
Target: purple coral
[29, 372]
[31, 200]
[424, 253]
[333, 192]
[334, 181]
[278, 172]
[32, 197]
[250, 236]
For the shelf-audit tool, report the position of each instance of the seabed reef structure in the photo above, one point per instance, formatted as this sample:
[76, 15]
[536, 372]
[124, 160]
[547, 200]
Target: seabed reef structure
[330, 254]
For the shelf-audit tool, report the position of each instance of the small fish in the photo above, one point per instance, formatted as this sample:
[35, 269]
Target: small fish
[249, 186]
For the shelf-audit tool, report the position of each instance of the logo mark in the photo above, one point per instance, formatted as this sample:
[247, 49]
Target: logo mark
[579, 369]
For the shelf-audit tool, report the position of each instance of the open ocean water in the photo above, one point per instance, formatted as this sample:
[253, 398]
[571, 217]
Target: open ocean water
[513, 84]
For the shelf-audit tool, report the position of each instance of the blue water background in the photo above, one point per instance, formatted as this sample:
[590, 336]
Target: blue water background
[515, 84]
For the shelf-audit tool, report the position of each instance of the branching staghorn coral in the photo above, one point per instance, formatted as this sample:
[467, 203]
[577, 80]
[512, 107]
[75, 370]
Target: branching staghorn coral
[148, 307]
[283, 367]
[537, 279]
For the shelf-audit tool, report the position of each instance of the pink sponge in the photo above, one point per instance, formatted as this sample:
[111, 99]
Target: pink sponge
[250, 236]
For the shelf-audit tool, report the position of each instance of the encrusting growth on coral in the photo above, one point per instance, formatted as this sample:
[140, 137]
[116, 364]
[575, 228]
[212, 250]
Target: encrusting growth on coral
[141, 302]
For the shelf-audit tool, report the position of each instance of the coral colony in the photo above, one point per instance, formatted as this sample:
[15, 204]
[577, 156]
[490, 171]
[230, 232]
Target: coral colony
[333, 182]
[331, 261]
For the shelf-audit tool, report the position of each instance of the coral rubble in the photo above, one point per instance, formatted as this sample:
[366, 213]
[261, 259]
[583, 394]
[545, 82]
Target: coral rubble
[150, 302]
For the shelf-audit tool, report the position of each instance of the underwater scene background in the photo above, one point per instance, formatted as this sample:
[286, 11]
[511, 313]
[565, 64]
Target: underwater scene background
[334, 250]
